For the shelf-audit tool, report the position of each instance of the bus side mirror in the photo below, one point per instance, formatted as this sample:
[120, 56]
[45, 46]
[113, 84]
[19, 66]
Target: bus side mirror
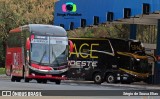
[28, 44]
[71, 46]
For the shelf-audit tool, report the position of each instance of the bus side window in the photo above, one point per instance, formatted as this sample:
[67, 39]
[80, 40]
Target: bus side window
[14, 40]
[106, 47]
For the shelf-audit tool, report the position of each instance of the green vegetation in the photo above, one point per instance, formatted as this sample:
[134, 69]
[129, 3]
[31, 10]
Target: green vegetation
[145, 33]
[2, 70]
[104, 30]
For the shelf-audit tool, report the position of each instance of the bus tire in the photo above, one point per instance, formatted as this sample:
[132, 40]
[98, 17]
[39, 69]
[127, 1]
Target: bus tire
[58, 82]
[44, 81]
[97, 78]
[13, 78]
[39, 81]
[18, 79]
[110, 78]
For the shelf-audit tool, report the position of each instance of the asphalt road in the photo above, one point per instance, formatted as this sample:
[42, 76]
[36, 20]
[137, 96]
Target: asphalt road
[6, 84]
[65, 85]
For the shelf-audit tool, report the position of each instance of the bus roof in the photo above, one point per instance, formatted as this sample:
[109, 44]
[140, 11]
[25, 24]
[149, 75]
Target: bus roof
[42, 29]
[125, 40]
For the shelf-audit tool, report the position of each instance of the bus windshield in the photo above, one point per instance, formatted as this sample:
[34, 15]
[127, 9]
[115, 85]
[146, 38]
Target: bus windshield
[49, 51]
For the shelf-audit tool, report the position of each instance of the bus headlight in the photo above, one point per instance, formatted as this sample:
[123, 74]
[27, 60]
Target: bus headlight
[138, 59]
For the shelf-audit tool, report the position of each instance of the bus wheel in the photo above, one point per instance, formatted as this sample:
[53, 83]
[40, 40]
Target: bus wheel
[13, 78]
[44, 81]
[18, 80]
[97, 78]
[39, 81]
[110, 78]
[58, 82]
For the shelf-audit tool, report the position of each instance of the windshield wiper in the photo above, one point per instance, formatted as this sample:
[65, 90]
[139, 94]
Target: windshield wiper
[42, 57]
[53, 54]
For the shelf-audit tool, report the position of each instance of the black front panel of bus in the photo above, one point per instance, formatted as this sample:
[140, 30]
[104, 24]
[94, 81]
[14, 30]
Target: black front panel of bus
[88, 56]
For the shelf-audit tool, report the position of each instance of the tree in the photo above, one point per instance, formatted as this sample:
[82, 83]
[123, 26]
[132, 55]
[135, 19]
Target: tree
[14, 13]
[103, 30]
[147, 33]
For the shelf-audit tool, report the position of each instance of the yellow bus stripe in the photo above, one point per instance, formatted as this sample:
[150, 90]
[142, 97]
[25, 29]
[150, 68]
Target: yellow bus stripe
[141, 75]
[132, 55]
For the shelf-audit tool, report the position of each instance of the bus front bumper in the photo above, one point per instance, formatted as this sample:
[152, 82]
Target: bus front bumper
[48, 71]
